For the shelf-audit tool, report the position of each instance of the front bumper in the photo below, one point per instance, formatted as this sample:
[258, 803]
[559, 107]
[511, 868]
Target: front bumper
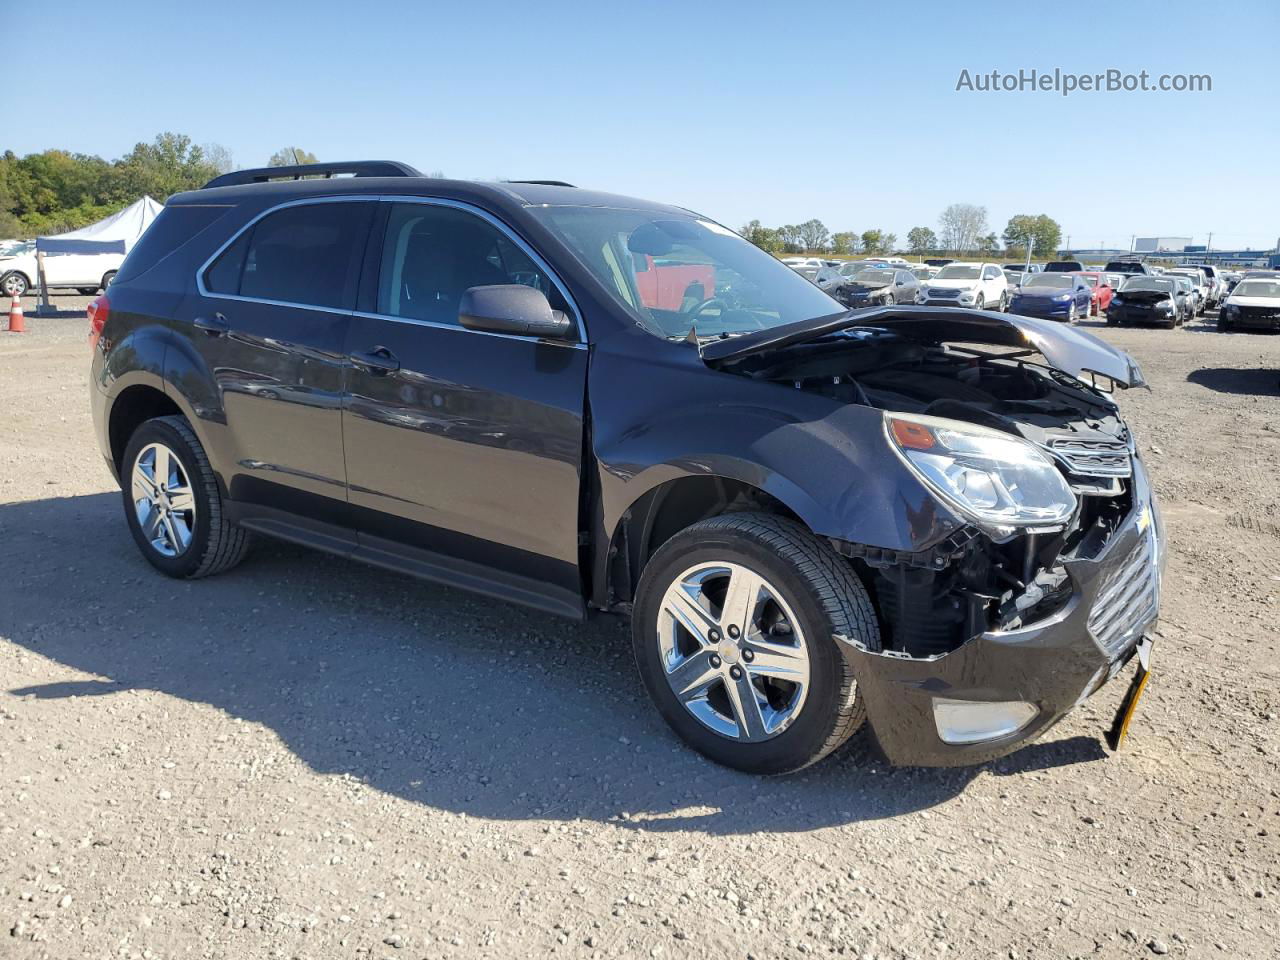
[1137, 315]
[1053, 664]
[1049, 310]
[1254, 319]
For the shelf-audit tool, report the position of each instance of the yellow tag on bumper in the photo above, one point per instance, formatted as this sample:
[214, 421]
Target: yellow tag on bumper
[1120, 726]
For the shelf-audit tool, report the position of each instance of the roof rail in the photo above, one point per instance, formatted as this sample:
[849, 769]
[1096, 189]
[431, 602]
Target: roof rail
[359, 168]
[544, 183]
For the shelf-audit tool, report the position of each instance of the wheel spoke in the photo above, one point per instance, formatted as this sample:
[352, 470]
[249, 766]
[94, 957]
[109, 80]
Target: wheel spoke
[162, 467]
[741, 599]
[745, 702]
[778, 661]
[181, 499]
[691, 677]
[171, 533]
[143, 488]
[688, 612]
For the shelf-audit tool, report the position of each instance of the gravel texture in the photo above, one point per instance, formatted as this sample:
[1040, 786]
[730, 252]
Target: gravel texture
[310, 758]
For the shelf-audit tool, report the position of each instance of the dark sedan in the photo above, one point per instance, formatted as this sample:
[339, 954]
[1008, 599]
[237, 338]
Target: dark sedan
[879, 287]
[1146, 300]
[1054, 296]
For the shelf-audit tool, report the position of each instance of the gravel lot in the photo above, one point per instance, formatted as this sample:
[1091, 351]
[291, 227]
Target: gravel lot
[310, 758]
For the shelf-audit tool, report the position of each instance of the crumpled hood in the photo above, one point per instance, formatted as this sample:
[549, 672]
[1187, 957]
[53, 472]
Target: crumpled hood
[1069, 349]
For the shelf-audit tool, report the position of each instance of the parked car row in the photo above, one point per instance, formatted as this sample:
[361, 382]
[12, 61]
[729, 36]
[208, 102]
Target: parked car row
[1126, 291]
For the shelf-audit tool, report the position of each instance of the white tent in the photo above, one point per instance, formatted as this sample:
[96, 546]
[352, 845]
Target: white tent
[114, 234]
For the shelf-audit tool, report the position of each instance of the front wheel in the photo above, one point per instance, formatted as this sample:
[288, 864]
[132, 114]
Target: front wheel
[1071, 313]
[981, 304]
[733, 635]
[172, 503]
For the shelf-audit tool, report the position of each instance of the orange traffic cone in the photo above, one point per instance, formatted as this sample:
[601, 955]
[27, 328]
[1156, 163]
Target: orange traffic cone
[16, 324]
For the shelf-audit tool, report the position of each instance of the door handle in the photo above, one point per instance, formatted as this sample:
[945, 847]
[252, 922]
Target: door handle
[379, 361]
[214, 326]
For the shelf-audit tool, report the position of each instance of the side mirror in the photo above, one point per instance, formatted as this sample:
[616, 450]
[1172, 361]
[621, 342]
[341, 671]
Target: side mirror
[512, 308]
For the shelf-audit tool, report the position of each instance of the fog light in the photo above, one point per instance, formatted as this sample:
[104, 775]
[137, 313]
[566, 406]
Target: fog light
[972, 721]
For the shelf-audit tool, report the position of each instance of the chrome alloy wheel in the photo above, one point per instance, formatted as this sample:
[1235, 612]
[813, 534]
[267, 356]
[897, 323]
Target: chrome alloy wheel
[162, 500]
[733, 651]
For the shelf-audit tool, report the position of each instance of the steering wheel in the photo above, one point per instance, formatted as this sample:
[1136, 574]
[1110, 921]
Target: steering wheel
[724, 307]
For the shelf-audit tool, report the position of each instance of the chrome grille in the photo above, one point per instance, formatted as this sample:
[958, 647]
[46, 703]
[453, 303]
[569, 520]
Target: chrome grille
[1093, 458]
[1128, 599]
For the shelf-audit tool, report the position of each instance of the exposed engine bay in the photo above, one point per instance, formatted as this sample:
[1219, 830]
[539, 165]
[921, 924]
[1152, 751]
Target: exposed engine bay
[931, 603]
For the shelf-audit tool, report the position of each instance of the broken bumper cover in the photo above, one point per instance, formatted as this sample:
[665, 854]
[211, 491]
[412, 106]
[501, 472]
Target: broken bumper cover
[1021, 681]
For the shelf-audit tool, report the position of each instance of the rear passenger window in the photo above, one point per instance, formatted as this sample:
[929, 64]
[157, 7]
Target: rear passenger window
[304, 254]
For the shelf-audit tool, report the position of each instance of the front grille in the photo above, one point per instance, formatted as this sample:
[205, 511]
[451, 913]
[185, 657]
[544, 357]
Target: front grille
[1260, 314]
[944, 294]
[1093, 458]
[1127, 600]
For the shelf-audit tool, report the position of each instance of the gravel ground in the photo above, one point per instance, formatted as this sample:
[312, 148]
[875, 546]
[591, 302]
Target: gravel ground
[311, 758]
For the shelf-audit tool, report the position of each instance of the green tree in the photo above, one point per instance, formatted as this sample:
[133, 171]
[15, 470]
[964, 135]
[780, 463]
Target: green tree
[813, 235]
[988, 244]
[872, 241]
[889, 242]
[1025, 228]
[766, 238]
[922, 240]
[845, 242]
[290, 156]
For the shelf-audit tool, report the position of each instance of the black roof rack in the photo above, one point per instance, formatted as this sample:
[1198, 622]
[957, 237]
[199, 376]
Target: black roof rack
[544, 183]
[359, 168]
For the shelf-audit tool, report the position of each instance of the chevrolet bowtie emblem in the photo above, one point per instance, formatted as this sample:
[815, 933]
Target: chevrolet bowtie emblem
[1144, 518]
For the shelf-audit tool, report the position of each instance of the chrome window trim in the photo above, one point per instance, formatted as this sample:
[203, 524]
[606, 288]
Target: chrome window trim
[575, 344]
[485, 215]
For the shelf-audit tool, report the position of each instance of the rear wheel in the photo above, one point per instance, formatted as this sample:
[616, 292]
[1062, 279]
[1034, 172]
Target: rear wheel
[733, 635]
[13, 284]
[86, 291]
[172, 503]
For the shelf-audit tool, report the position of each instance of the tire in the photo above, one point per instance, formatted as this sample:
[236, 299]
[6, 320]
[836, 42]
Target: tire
[86, 291]
[1071, 313]
[890, 300]
[14, 284]
[1004, 302]
[981, 303]
[212, 543]
[1223, 323]
[808, 588]
[107, 278]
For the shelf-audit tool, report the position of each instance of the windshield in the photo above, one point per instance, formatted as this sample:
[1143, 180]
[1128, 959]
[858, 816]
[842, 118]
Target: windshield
[1055, 280]
[16, 248]
[958, 273]
[874, 277]
[673, 272]
[1149, 283]
[1257, 288]
[1091, 281]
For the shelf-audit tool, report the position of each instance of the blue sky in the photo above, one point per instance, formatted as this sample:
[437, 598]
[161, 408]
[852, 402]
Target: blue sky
[781, 112]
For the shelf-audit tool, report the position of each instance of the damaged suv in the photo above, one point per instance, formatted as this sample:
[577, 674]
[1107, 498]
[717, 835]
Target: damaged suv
[931, 520]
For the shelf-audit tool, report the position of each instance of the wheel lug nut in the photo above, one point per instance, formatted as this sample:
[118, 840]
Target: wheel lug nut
[713, 635]
[748, 655]
[736, 673]
[733, 632]
[715, 661]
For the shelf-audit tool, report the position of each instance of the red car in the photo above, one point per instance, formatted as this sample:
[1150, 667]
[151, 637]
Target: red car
[1100, 292]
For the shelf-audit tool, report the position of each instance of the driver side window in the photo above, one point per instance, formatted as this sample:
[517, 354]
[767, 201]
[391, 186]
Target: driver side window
[432, 254]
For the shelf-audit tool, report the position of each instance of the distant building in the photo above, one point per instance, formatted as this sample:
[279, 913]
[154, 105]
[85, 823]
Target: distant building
[1160, 244]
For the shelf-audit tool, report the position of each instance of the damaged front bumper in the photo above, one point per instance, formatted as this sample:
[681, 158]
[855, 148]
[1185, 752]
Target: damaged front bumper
[1002, 689]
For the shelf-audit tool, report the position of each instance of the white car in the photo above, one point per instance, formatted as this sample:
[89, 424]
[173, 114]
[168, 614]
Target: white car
[1253, 303]
[807, 267]
[85, 272]
[979, 285]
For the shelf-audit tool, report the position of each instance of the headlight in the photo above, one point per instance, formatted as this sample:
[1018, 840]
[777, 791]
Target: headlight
[1000, 481]
[1064, 297]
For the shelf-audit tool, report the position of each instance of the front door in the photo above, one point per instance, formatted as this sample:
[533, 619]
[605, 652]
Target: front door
[463, 449]
[271, 327]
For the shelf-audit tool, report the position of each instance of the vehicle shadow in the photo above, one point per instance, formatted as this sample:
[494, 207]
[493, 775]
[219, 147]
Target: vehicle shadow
[1228, 380]
[426, 693]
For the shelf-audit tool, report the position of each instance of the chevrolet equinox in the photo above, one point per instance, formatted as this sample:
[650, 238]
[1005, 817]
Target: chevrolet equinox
[931, 520]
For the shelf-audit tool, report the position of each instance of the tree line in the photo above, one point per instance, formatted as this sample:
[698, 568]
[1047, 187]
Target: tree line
[56, 190]
[962, 229]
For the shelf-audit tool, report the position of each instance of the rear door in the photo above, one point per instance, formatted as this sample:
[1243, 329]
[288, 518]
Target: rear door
[463, 448]
[270, 324]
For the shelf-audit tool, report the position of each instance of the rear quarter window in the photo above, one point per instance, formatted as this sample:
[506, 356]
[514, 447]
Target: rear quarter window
[168, 232]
